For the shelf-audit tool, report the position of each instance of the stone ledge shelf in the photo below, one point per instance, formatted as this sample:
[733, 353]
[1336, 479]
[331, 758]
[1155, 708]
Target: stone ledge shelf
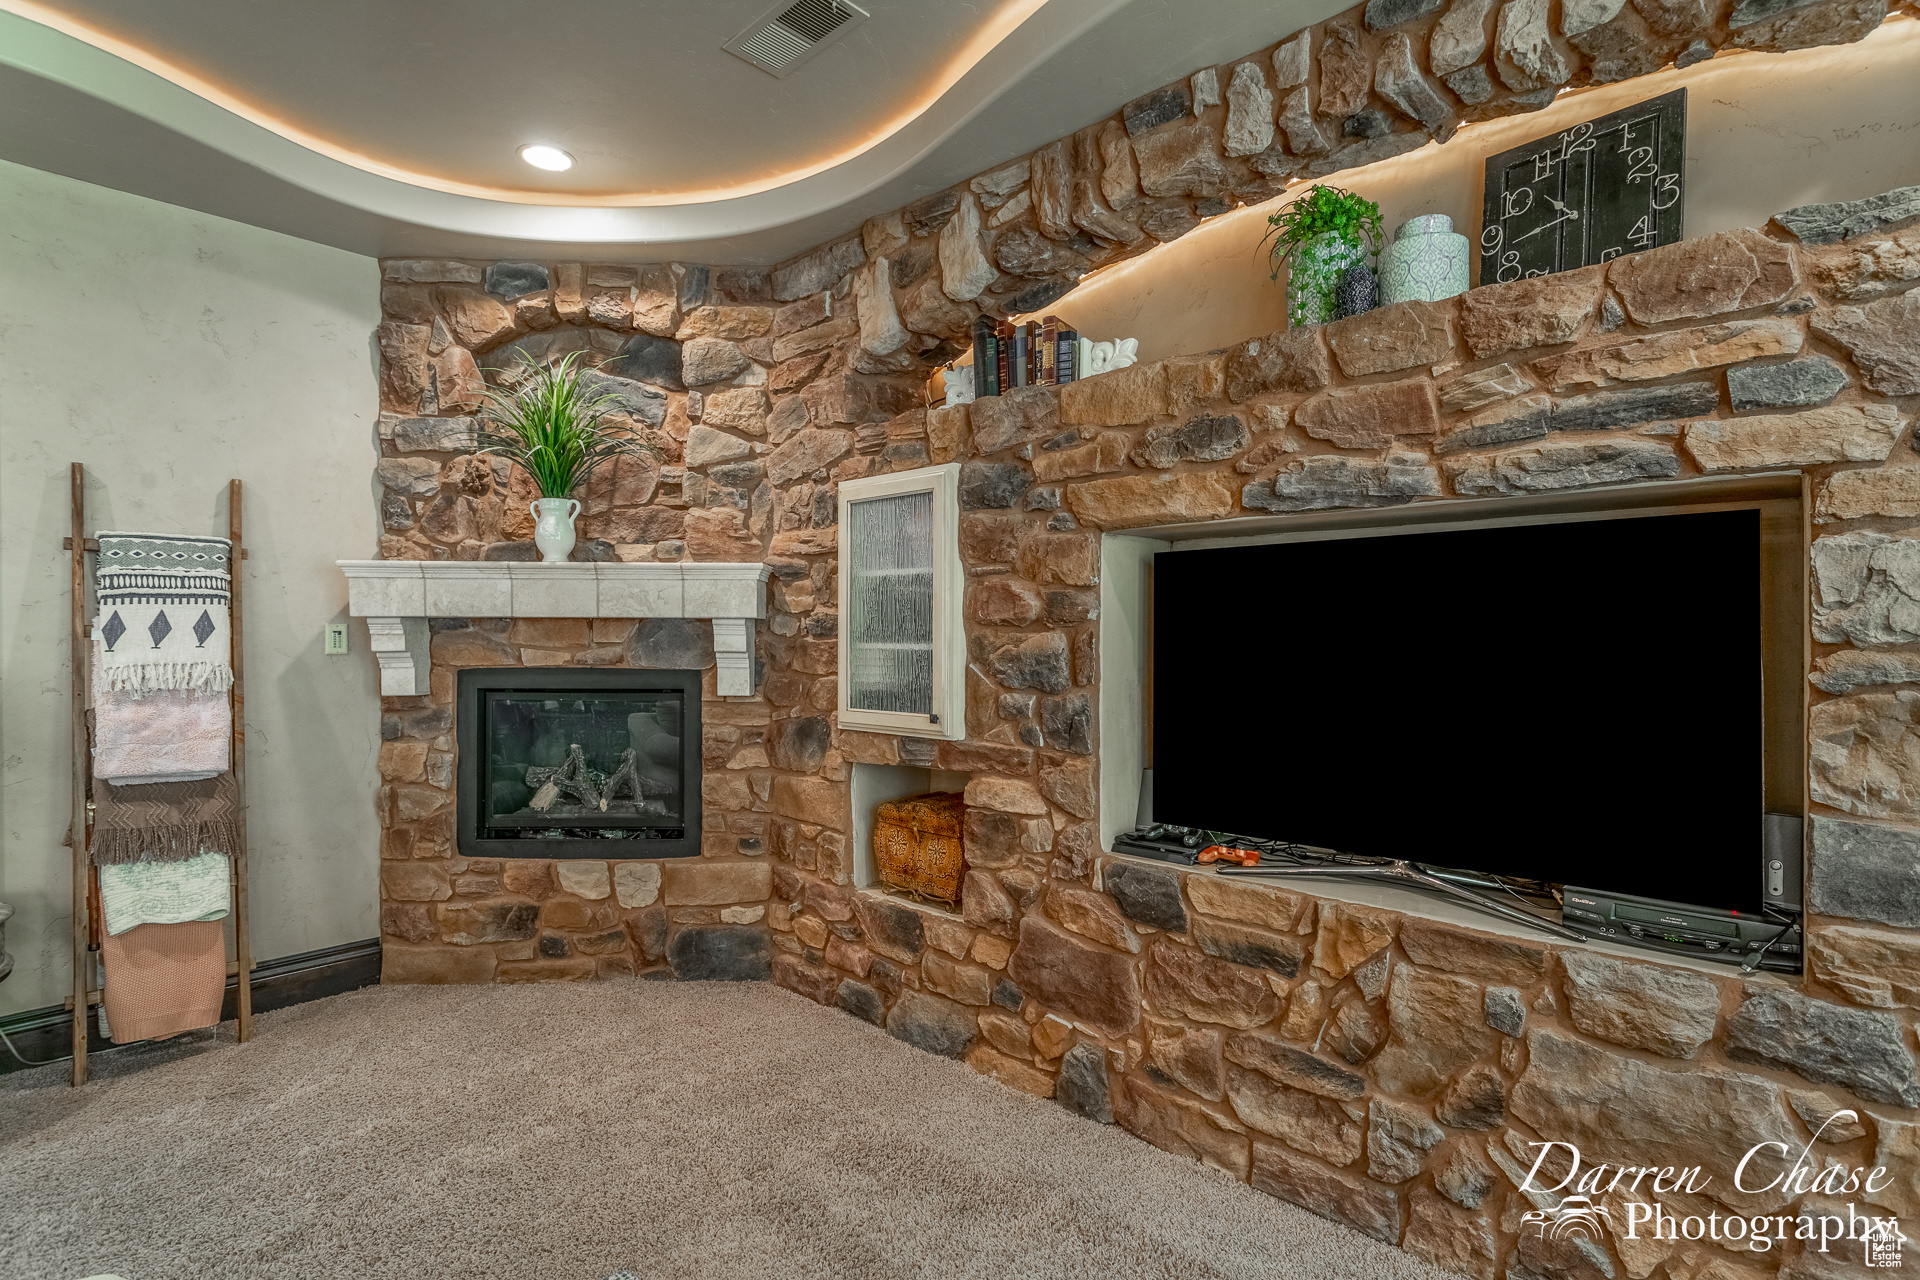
[396, 597]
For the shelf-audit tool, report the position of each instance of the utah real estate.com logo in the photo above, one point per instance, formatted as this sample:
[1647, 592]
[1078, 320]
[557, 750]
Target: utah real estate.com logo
[1581, 1213]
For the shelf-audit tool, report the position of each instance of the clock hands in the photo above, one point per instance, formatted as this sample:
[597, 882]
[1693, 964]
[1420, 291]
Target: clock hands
[1566, 215]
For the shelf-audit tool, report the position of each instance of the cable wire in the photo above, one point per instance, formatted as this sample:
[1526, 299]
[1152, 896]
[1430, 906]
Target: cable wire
[1754, 958]
[43, 1062]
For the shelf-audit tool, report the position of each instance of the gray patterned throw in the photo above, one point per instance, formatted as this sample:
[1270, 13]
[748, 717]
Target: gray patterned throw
[163, 620]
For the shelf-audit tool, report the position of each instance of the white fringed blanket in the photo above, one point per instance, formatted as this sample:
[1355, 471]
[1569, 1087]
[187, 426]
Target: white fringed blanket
[164, 620]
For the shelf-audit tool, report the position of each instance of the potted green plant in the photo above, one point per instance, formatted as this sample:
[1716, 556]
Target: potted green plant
[553, 426]
[1316, 238]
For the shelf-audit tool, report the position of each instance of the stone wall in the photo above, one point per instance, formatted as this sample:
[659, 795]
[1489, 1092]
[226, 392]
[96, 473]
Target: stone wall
[445, 918]
[1382, 1069]
[847, 335]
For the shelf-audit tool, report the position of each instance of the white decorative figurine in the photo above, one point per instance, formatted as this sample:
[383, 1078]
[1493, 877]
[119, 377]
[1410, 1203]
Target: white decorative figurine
[1105, 357]
[959, 385]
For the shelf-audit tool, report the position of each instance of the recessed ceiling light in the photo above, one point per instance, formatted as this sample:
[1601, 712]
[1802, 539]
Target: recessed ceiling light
[541, 156]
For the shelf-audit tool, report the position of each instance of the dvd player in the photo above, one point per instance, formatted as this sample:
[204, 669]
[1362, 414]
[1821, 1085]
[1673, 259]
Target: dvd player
[1730, 937]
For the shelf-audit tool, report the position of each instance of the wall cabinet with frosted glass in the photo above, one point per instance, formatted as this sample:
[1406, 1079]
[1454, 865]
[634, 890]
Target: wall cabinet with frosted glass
[902, 653]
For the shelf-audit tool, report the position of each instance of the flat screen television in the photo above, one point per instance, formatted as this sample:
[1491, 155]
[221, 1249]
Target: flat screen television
[1577, 702]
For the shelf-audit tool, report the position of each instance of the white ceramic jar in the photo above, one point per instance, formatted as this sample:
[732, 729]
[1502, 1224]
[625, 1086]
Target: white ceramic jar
[1427, 261]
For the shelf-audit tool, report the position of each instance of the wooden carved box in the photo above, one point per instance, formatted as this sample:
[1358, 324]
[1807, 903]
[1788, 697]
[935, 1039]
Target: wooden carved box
[917, 846]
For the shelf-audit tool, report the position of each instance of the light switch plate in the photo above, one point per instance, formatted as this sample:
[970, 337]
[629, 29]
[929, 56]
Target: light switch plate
[336, 638]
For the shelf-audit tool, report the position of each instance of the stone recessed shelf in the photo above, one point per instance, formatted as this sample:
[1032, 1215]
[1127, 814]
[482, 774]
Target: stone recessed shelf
[396, 597]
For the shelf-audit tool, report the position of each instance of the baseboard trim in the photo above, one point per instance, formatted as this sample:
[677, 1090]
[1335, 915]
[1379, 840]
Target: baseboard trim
[46, 1033]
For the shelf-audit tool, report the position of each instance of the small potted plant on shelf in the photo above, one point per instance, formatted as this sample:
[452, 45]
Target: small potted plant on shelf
[553, 425]
[1318, 238]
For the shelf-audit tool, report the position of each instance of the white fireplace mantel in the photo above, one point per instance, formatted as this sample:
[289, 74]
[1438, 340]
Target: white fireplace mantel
[396, 597]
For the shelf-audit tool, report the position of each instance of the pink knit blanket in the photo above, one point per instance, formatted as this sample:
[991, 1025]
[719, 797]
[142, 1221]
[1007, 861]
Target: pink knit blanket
[171, 736]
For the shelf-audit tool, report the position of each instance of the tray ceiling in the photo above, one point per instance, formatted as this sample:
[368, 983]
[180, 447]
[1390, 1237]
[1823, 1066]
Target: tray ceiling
[388, 128]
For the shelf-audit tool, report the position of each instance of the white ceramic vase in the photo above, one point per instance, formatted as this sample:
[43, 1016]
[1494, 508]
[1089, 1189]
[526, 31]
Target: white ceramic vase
[553, 527]
[1426, 262]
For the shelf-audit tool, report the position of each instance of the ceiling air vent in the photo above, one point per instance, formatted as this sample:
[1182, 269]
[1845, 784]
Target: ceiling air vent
[793, 33]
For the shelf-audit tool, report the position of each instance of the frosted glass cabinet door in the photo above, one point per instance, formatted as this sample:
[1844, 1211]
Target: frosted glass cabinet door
[890, 597]
[899, 588]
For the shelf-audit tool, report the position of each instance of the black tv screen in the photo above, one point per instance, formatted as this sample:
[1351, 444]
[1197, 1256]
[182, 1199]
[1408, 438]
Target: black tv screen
[1575, 702]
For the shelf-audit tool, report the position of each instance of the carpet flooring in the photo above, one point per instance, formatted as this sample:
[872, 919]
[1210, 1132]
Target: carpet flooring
[569, 1131]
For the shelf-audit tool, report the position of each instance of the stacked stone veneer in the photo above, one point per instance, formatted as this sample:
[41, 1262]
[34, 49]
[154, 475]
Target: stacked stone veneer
[869, 316]
[1381, 1069]
[444, 918]
[716, 366]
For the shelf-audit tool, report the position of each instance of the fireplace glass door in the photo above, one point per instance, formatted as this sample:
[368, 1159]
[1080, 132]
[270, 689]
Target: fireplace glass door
[567, 771]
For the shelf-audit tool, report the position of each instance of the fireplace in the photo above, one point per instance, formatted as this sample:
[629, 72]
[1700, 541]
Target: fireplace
[560, 762]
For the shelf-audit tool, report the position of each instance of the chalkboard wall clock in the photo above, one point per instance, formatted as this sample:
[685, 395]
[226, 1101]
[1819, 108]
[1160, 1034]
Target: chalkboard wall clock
[1600, 189]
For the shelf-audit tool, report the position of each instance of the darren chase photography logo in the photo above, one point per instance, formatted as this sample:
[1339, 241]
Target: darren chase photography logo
[1574, 1216]
[1575, 1207]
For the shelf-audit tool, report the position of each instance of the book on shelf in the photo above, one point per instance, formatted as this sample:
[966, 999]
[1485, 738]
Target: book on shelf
[984, 382]
[1038, 353]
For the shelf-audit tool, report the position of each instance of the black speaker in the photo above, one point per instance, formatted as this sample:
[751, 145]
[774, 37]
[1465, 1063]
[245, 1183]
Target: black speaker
[1783, 841]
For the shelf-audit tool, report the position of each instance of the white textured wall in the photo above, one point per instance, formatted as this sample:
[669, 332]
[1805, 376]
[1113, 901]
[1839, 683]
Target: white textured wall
[169, 351]
[1765, 132]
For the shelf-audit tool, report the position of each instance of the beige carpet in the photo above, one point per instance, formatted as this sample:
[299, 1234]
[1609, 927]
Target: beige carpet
[570, 1131]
